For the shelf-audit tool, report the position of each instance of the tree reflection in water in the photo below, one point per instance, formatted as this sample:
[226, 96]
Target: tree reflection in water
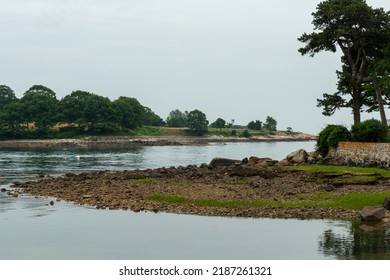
[358, 240]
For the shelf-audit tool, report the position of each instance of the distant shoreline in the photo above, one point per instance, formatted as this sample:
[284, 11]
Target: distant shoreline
[128, 141]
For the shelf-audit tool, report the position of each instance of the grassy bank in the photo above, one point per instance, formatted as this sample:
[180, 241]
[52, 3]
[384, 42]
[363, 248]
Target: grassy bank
[352, 201]
[333, 175]
[169, 131]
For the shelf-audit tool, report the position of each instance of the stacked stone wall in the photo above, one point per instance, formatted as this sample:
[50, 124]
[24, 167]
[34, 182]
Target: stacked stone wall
[363, 153]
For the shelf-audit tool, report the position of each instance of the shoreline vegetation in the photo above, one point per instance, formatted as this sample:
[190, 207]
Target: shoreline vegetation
[254, 187]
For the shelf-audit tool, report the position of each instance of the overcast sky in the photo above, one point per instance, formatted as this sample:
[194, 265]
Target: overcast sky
[234, 59]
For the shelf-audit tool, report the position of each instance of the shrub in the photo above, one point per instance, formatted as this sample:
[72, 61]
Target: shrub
[245, 134]
[330, 136]
[369, 131]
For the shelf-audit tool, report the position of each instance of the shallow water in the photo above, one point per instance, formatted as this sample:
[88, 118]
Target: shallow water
[30, 228]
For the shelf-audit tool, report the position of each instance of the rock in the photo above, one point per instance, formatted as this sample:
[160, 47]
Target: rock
[14, 194]
[222, 162]
[371, 226]
[329, 188]
[283, 162]
[262, 162]
[372, 213]
[299, 156]
[313, 154]
[3, 190]
[386, 203]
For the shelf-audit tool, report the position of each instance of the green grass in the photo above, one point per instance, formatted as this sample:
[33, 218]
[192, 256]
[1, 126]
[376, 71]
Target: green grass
[145, 181]
[354, 201]
[343, 170]
[345, 175]
[149, 131]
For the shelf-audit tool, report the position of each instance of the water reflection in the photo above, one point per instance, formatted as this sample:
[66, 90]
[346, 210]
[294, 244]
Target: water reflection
[34, 207]
[357, 240]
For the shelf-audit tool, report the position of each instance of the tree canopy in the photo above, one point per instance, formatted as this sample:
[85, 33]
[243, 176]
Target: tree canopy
[38, 111]
[177, 118]
[270, 124]
[7, 96]
[362, 34]
[219, 123]
[255, 125]
[197, 123]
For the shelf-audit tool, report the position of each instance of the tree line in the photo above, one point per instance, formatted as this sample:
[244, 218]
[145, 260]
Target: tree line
[177, 118]
[38, 111]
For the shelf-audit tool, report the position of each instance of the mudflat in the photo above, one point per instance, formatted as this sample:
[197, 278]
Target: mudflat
[237, 189]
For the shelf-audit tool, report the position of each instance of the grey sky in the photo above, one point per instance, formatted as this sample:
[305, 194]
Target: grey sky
[235, 59]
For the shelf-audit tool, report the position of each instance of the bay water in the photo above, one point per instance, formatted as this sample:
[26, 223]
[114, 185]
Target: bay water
[31, 228]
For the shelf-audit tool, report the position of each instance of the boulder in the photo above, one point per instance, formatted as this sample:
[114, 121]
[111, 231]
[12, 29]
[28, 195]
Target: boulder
[386, 203]
[261, 162]
[283, 162]
[299, 156]
[267, 163]
[372, 213]
[313, 154]
[222, 162]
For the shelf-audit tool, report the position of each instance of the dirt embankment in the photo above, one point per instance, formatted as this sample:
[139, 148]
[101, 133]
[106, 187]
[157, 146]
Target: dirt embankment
[127, 141]
[177, 189]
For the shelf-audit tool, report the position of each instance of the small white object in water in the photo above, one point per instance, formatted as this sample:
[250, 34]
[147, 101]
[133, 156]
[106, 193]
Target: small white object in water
[77, 157]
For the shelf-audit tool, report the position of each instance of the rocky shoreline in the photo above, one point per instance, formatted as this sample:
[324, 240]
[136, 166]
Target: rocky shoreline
[179, 189]
[128, 141]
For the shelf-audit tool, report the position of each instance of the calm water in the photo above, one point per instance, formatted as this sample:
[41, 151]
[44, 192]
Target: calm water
[32, 229]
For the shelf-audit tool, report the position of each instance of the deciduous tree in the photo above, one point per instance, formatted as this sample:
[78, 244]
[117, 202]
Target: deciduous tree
[197, 123]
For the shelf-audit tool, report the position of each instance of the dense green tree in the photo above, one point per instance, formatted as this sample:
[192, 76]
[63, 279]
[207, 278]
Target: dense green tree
[151, 118]
[129, 112]
[245, 133]
[255, 125]
[41, 90]
[72, 108]
[39, 105]
[369, 131]
[11, 120]
[219, 123]
[99, 114]
[197, 123]
[7, 96]
[330, 136]
[177, 118]
[361, 33]
[270, 124]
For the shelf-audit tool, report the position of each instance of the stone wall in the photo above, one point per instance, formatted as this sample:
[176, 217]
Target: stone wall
[362, 153]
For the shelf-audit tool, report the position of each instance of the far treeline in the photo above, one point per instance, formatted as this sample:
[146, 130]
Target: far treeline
[39, 114]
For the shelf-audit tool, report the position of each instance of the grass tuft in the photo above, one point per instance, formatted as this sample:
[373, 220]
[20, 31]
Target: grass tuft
[353, 201]
[145, 181]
